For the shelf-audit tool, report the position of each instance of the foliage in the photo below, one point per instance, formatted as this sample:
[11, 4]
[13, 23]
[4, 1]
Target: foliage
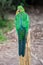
[6, 24]
[2, 37]
[5, 6]
[3, 23]
[9, 25]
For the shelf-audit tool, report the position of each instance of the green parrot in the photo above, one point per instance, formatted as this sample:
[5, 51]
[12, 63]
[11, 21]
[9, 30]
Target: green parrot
[22, 24]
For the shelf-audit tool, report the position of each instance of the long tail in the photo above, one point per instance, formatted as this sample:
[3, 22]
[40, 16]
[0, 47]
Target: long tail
[22, 41]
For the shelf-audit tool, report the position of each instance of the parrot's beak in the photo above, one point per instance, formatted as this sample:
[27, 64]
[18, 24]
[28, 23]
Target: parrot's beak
[17, 11]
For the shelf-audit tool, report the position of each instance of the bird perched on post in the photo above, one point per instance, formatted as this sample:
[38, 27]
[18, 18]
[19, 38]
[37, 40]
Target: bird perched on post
[22, 24]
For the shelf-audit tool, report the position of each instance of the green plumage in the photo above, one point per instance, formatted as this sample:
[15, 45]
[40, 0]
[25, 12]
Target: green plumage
[22, 24]
[25, 21]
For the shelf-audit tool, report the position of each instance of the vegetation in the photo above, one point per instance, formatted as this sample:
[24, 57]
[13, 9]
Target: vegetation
[5, 6]
[2, 37]
[5, 26]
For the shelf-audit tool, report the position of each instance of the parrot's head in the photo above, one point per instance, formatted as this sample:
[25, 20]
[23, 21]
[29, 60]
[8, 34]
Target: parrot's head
[20, 9]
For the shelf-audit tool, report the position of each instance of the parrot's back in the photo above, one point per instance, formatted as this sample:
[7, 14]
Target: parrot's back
[22, 21]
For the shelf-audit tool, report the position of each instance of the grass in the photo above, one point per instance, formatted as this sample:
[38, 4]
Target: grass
[9, 26]
[2, 37]
[5, 26]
